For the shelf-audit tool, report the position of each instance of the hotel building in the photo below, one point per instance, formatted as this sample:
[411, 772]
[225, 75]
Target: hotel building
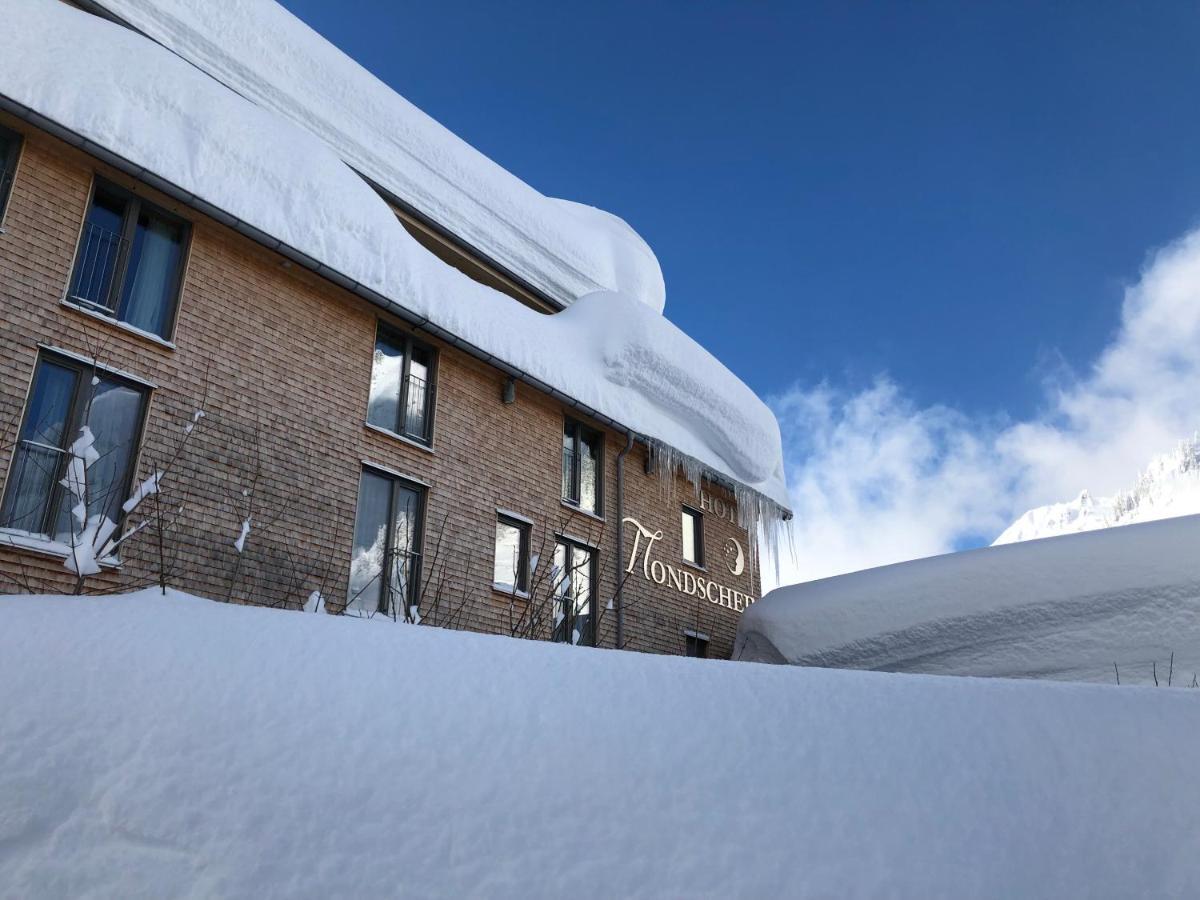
[318, 433]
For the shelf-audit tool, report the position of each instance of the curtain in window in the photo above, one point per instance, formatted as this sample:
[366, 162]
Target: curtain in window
[153, 271]
[38, 456]
[589, 476]
[100, 251]
[113, 417]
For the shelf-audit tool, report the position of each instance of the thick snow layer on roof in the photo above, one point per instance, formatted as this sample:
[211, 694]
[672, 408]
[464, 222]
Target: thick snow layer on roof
[1065, 607]
[608, 351]
[266, 54]
[174, 747]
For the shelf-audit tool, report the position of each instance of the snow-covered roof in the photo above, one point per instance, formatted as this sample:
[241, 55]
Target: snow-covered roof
[180, 128]
[174, 747]
[1065, 607]
[266, 54]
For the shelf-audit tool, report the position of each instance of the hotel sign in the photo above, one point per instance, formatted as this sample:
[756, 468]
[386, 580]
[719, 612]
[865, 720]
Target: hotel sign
[683, 579]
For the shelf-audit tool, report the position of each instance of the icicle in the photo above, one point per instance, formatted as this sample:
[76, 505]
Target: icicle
[762, 518]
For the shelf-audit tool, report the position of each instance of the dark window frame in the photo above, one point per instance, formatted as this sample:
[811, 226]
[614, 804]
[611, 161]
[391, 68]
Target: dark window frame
[695, 645]
[397, 482]
[405, 340]
[134, 205]
[9, 157]
[524, 553]
[561, 633]
[697, 517]
[79, 407]
[574, 495]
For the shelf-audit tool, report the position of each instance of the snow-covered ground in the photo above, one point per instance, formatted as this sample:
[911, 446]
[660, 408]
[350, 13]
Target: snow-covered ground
[1065, 607]
[1169, 487]
[176, 747]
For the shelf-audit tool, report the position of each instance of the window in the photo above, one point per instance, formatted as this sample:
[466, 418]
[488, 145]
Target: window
[582, 466]
[693, 536]
[573, 584]
[130, 261]
[511, 572]
[385, 568]
[695, 645]
[67, 396]
[402, 386]
[10, 148]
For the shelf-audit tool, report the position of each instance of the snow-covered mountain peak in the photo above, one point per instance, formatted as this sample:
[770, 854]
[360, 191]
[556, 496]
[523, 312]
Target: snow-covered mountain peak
[1170, 486]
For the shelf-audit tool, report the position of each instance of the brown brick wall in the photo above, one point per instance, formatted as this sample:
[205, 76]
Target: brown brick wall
[286, 358]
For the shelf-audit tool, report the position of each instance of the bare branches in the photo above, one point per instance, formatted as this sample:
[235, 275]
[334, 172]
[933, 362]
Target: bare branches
[249, 505]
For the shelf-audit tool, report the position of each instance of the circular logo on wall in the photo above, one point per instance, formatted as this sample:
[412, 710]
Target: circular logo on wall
[735, 559]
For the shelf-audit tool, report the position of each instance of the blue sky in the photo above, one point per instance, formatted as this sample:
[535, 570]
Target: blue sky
[952, 198]
[945, 192]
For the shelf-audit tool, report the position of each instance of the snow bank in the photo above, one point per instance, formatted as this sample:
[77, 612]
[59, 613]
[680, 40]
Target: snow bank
[266, 54]
[608, 351]
[1065, 607]
[1169, 487]
[177, 747]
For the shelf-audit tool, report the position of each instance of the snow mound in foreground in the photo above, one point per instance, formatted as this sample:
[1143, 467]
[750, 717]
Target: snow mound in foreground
[269, 56]
[176, 747]
[1065, 607]
[608, 351]
[1170, 486]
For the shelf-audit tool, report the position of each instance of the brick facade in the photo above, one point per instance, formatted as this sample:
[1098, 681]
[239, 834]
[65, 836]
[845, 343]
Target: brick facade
[286, 360]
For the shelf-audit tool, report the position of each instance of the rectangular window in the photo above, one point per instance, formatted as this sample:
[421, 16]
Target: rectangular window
[385, 568]
[130, 261]
[693, 536]
[402, 386]
[66, 397]
[695, 645]
[573, 584]
[511, 571]
[10, 148]
[582, 467]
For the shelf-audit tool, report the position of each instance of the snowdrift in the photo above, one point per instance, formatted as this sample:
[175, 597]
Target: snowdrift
[609, 351]
[1064, 607]
[177, 747]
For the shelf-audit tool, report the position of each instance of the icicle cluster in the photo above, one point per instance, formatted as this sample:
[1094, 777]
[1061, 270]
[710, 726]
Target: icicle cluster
[765, 521]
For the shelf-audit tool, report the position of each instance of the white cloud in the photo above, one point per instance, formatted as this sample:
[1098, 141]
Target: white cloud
[877, 479]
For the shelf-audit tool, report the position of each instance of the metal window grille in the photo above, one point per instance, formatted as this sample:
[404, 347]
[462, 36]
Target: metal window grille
[97, 268]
